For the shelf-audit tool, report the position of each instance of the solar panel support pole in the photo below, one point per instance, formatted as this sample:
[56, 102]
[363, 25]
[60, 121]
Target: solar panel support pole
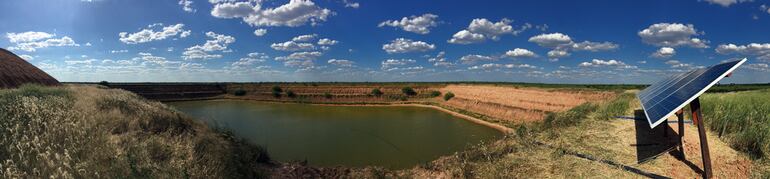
[680, 117]
[704, 146]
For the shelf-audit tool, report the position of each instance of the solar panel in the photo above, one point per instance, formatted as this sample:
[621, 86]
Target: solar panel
[663, 98]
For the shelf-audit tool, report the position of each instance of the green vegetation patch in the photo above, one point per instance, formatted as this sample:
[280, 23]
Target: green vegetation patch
[742, 118]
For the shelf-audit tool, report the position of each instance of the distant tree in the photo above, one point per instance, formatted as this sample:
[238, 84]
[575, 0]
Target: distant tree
[104, 83]
[448, 95]
[408, 91]
[376, 92]
[277, 91]
[239, 92]
[290, 94]
[435, 93]
[328, 95]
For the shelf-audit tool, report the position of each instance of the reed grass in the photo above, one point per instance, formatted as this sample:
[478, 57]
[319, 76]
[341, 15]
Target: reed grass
[742, 119]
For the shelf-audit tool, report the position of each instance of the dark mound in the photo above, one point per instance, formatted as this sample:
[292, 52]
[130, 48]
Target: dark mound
[15, 71]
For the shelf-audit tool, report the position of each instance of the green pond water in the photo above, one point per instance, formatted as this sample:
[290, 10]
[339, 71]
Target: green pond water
[395, 137]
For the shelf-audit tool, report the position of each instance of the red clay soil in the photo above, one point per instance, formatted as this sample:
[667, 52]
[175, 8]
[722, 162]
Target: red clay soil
[15, 71]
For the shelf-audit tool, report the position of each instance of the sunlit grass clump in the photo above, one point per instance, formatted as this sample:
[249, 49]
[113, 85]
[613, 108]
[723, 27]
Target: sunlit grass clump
[742, 118]
[86, 132]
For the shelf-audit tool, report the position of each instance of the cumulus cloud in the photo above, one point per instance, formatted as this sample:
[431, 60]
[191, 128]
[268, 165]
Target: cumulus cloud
[726, 3]
[551, 40]
[402, 45]
[304, 38]
[354, 5]
[327, 42]
[260, 32]
[664, 52]
[300, 56]
[606, 63]
[479, 30]
[562, 44]
[250, 59]
[520, 53]
[31, 41]
[341, 62]
[187, 5]
[293, 14]
[759, 67]
[473, 59]
[440, 60]
[678, 64]
[216, 42]
[760, 51]
[292, 46]
[149, 35]
[494, 66]
[672, 35]
[392, 64]
[417, 24]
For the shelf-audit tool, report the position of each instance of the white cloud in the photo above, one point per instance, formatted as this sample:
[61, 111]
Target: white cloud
[293, 14]
[260, 32]
[672, 35]
[551, 40]
[149, 35]
[118, 62]
[304, 38]
[28, 36]
[606, 63]
[759, 67]
[481, 29]
[216, 42]
[761, 51]
[292, 46]
[726, 3]
[493, 66]
[26, 57]
[187, 5]
[392, 64]
[440, 60]
[80, 62]
[341, 62]
[473, 59]
[251, 59]
[304, 64]
[118, 51]
[326, 41]
[354, 5]
[402, 45]
[593, 46]
[417, 24]
[300, 56]
[31, 41]
[664, 52]
[520, 53]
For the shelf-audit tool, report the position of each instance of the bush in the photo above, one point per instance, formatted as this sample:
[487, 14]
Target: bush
[448, 95]
[328, 95]
[239, 92]
[104, 83]
[435, 93]
[290, 94]
[376, 92]
[277, 89]
[408, 91]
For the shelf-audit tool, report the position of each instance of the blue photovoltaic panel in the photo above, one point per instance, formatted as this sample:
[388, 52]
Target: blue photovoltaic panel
[661, 99]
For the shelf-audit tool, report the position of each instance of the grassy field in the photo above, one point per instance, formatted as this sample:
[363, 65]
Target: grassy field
[86, 132]
[743, 120]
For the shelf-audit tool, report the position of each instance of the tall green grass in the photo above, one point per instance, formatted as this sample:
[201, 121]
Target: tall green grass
[742, 118]
[617, 107]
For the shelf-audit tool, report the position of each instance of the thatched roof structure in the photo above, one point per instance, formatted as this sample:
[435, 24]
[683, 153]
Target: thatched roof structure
[15, 71]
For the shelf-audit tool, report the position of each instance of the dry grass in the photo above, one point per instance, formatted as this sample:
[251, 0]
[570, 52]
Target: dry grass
[519, 104]
[86, 132]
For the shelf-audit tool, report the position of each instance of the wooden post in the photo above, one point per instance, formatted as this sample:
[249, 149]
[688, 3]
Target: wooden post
[680, 116]
[704, 146]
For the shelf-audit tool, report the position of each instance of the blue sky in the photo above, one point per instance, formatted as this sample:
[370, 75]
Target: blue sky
[354, 40]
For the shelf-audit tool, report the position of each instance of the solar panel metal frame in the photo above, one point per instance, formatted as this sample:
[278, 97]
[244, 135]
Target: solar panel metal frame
[671, 79]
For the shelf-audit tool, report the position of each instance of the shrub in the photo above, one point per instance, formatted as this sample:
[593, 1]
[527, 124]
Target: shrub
[290, 94]
[328, 95]
[376, 92]
[277, 89]
[408, 91]
[448, 95]
[239, 92]
[435, 93]
[104, 83]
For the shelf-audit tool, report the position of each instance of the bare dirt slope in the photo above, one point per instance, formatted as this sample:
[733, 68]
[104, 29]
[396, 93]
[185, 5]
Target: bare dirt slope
[15, 71]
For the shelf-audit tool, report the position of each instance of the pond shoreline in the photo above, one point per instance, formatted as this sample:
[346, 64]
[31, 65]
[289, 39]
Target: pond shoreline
[501, 128]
